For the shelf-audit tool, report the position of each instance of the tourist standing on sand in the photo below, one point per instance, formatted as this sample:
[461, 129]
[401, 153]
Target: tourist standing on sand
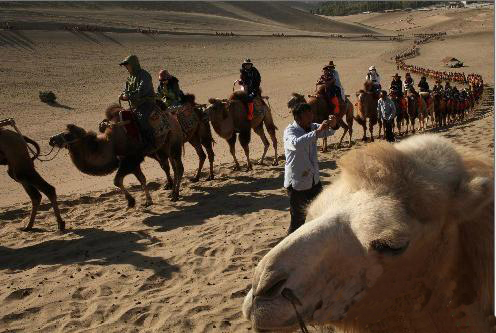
[301, 172]
[387, 112]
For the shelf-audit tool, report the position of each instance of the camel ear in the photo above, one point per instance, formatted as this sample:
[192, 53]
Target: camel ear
[71, 127]
[475, 196]
[212, 100]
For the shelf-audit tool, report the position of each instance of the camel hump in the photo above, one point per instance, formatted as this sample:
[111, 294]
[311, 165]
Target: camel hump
[189, 99]
[240, 96]
[112, 111]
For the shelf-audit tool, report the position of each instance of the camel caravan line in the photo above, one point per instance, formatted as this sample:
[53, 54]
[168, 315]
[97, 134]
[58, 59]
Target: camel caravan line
[117, 147]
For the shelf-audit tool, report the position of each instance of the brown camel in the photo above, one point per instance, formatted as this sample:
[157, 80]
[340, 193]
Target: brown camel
[367, 109]
[102, 154]
[229, 117]
[14, 154]
[321, 112]
[196, 130]
[412, 111]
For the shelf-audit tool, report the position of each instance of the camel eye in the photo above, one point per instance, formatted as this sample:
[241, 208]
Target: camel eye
[382, 247]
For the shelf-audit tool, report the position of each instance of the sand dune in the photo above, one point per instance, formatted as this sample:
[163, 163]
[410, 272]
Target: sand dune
[183, 266]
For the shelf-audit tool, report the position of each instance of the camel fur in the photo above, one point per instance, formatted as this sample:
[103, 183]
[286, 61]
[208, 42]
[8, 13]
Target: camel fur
[402, 241]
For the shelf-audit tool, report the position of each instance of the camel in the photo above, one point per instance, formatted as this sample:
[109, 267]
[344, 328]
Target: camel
[412, 111]
[14, 154]
[229, 118]
[321, 112]
[102, 154]
[439, 104]
[401, 242]
[367, 109]
[196, 131]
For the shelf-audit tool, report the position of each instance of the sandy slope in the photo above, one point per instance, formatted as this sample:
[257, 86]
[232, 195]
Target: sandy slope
[175, 267]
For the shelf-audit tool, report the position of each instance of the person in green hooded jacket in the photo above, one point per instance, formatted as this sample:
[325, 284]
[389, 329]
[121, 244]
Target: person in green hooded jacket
[141, 96]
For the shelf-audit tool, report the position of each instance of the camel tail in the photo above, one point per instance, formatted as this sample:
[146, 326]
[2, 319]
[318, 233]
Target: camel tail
[35, 145]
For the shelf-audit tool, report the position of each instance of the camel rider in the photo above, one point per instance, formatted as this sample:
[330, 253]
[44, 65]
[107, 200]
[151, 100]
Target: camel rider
[141, 97]
[397, 85]
[168, 89]
[423, 85]
[331, 71]
[373, 76]
[408, 81]
[438, 87]
[250, 78]
[447, 90]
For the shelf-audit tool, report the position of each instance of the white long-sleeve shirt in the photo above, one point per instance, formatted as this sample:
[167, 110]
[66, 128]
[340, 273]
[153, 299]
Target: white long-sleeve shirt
[374, 77]
[300, 148]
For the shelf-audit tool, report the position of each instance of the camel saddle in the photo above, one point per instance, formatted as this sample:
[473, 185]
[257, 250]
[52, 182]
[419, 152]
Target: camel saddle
[187, 118]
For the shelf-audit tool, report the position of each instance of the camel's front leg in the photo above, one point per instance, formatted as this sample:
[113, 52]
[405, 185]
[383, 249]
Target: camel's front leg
[119, 182]
[142, 179]
[273, 138]
[261, 133]
[371, 129]
[232, 150]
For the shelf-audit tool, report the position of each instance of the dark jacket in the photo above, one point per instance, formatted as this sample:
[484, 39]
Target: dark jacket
[251, 78]
[169, 92]
[139, 85]
[423, 86]
[396, 85]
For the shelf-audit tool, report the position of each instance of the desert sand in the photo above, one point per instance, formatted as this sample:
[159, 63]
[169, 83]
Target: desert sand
[183, 266]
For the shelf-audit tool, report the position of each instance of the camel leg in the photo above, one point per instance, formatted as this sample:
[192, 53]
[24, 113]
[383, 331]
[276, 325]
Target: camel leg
[41, 185]
[210, 152]
[371, 130]
[345, 128]
[195, 142]
[126, 166]
[244, 140]
[163, 159]
[232, 150]
[142, 179]
[178, 168]
[261, 133]
[35, 197]
[273, 138]
[349, 122]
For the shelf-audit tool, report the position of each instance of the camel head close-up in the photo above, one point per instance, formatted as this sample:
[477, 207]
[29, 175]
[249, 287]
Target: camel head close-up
[404, 232]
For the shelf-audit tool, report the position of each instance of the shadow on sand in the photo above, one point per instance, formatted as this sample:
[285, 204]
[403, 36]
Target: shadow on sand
[95, 246]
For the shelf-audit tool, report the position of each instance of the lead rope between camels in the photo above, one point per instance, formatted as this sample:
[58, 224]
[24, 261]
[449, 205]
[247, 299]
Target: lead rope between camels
[288, 294]
[12, 123]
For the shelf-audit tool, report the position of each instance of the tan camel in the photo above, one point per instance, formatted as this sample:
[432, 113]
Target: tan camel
[14, 154]
[229, 117]
[321, 112]
[367, 109]
[102, 154]
[402, 241]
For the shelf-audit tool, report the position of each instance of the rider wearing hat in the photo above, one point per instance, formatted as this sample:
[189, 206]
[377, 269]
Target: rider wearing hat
[330, 70]
[250, 78]
[423, 85]
[373, 76]
[168, 89]
[397, 85]
[140, 94]
[438, 87]
[408, 81]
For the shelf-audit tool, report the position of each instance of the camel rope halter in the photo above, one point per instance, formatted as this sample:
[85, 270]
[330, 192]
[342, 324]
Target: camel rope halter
[291, 297]
[11, 122]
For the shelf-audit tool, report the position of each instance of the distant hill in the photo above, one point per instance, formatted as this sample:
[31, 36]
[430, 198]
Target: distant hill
[191, 16]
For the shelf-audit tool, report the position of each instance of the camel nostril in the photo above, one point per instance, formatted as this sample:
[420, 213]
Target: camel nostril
[271, 290]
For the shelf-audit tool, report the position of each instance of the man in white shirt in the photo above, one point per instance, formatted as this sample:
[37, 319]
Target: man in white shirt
[301, 171]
